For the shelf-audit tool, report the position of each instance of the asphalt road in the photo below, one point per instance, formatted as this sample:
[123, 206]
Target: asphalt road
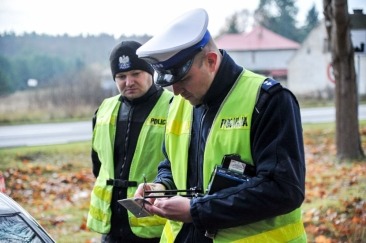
[61, 133]
[45, 134]
[326, 114]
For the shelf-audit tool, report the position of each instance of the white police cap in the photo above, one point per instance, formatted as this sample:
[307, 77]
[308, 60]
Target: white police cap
[171, 52]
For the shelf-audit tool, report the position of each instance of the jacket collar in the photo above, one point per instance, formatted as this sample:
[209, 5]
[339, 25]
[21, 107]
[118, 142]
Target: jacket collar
[152, 90]
[225, 78]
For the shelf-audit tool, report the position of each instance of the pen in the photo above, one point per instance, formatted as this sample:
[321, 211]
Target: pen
[165, 191]
[162, 196]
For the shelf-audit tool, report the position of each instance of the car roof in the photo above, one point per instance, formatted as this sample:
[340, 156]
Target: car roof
[8, 206]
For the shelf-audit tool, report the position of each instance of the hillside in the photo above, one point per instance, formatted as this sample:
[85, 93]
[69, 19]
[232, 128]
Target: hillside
[50, 60]
[87, 48]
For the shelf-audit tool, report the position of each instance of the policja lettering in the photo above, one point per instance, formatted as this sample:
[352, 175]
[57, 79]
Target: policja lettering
[235, 122]
[157, 121]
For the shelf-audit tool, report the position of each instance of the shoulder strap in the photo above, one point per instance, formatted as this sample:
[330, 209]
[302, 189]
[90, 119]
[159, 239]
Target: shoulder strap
[268, 88]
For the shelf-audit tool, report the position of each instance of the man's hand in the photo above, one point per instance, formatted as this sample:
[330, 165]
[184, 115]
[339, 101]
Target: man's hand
[140, 192]
[174, 208]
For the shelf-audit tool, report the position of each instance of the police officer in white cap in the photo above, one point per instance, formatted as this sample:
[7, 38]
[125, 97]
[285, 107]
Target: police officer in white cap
[224, 115]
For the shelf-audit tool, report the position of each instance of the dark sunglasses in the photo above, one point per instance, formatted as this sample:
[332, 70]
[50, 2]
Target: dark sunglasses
[170, 76]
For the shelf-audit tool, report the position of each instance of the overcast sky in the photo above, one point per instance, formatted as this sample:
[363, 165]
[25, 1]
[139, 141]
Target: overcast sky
[117, 17]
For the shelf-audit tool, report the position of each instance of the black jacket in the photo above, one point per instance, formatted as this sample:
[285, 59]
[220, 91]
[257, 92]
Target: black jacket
[277, 151]
[131, 116]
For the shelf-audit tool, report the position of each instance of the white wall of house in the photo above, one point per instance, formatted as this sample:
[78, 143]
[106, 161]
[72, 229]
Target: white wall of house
[263, 60]
[307, 70]
[360, 66]
[359, 37]
[309, 73]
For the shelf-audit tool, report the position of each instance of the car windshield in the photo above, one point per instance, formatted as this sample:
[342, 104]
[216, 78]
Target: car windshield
[14, 229]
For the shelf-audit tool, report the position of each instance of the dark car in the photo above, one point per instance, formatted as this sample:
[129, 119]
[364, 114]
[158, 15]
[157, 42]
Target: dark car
[17, 225]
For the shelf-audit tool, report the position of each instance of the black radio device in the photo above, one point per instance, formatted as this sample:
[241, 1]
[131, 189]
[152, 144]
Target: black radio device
[232, 172]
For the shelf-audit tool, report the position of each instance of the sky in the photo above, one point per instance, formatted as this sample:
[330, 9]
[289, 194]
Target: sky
[121, 17]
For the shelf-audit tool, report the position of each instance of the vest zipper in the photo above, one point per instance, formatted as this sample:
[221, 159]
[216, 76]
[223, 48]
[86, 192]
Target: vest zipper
[129, 118]
[199, 184]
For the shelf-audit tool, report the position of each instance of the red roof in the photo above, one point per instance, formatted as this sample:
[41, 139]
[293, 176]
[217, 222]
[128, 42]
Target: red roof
[278, 72]
[259, 38]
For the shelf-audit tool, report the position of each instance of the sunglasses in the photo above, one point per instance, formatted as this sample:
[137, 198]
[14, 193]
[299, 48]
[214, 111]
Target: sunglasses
[170, 76]
[167, 74]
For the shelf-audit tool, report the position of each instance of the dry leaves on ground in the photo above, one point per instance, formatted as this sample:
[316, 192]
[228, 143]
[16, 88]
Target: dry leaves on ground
[334, 209]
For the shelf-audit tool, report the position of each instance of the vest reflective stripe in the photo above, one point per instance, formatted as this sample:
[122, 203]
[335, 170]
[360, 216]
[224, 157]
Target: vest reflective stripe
[294, 233]
[232, 124]
[230, 133]
[148, 150]
[151, 154]
[170, 231]
[177, 135]
[284, 228]
[99, 215]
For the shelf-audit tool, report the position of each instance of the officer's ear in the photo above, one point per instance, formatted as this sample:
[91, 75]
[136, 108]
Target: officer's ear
[212, 59]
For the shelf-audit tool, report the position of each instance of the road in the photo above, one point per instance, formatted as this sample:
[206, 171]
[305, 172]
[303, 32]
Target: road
[44, 134]
[326, 114]
[61, 133]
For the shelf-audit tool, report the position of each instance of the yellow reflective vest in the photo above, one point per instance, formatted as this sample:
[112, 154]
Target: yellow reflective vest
[146, 158]
[230, 134]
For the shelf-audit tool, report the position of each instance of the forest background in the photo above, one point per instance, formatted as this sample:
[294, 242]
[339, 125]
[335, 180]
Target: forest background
[69, 75]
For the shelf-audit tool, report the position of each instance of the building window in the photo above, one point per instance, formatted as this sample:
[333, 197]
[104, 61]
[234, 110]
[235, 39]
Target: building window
[253, 56]
[308, 50]
[326, 45]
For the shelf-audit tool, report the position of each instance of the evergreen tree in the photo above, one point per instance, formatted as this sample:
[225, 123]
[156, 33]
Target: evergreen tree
[233, 26]
[311, 21]
[279, 16]
[236, 23]
[6, 74]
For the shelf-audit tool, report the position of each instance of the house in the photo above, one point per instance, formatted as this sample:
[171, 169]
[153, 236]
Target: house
[310, 71]
[261, 51]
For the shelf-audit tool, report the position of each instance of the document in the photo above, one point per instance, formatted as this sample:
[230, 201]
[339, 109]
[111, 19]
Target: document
[136, 206]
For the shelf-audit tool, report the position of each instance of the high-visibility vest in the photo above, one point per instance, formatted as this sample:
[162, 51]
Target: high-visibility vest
[229, 134]
[146, 158]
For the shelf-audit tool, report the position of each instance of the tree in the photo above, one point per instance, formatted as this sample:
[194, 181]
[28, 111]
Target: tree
[6, 74]
[279, 16]
[337, 22]
[311, 21]
[236, 23]
[233, 24]
[312, 18]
